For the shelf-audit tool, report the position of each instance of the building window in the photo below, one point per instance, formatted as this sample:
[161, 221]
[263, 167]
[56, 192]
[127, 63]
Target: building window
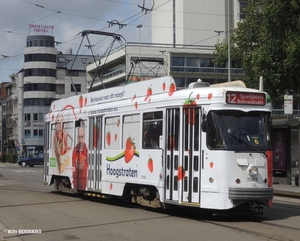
[9, 105]
[84, 60]
[177, 61]
[27, 117]
[39, 87]
[207, 62]
[35, 133]
[40, 72]
[192, 62]
[41, 133]
[40, 57]
[38, 101]
[37, 117]
[72, 73]
[27, 133]
[243, 5]
[61, 59]
[8, 91]
[77, 87]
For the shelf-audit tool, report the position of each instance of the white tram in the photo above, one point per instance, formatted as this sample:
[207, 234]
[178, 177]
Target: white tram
[210, 145]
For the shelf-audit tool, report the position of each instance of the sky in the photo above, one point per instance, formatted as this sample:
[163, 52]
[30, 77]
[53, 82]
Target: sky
[69, 18]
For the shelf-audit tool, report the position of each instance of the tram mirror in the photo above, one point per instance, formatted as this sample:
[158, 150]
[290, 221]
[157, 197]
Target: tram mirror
[204, 125]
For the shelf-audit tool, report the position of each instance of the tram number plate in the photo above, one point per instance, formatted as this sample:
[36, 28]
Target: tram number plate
[252, 179]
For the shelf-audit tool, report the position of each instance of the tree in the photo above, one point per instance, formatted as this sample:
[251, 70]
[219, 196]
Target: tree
[267, 43]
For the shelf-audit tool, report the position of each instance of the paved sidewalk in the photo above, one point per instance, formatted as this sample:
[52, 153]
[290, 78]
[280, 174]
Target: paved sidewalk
[286, 190]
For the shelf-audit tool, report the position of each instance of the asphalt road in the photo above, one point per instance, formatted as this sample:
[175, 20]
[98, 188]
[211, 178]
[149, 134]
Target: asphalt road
[27, 205]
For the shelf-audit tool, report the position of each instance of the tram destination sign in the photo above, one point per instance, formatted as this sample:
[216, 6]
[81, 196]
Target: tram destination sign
[245, 98]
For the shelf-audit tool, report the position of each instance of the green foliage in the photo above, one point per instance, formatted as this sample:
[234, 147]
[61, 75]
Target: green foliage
[10, 158]
[267, 43]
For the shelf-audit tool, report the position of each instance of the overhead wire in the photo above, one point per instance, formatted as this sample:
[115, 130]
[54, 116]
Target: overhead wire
[135, 17]
[77, 15]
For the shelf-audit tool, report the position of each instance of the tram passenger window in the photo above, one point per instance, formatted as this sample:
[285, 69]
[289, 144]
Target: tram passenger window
[150, 138]
[112, 136]
[131, 131]
[152, 129]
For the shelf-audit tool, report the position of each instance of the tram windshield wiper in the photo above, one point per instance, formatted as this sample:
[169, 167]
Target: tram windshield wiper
[248, 145]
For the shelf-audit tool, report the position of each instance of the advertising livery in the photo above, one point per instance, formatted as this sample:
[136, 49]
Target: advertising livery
[153, 144]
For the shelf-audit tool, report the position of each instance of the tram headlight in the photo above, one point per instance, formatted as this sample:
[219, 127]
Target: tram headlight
[252, 170]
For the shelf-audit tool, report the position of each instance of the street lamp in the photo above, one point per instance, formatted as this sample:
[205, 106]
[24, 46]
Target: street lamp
[229, 61]
[218, 32]
[139, 27]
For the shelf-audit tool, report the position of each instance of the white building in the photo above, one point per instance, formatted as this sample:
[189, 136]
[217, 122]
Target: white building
[184, 34]
[195, 22]
[186, 65]
[47, 75]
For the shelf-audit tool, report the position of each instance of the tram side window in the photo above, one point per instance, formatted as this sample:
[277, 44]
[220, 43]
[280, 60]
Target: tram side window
[62, 135]
[131, 131]
[152, 129]
[62, 143]
[213, 137]
[112, 132]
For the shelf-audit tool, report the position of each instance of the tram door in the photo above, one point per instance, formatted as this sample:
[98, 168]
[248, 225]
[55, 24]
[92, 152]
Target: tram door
[183, 155]
[95, 162]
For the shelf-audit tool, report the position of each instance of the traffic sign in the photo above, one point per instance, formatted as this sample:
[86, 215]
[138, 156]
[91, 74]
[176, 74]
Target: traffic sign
[288, 104]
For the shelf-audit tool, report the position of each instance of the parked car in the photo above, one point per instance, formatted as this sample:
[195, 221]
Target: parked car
[32, 161]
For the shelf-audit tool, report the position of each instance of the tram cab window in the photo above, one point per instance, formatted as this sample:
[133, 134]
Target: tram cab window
[152, 129]
[229, 129]
[214, 139]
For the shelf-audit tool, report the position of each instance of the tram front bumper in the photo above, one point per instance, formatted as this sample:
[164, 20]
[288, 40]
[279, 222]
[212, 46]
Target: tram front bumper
[236, 193]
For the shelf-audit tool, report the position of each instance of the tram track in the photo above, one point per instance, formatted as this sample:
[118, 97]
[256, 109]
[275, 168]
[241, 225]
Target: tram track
[289, 205]
[264, 227]
[258, 234]
[254, 225]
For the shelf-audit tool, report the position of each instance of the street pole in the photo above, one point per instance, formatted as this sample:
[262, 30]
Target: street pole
[229, 60]
[139, 27]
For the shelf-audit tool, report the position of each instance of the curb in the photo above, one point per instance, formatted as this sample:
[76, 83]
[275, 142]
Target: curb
[286, 194]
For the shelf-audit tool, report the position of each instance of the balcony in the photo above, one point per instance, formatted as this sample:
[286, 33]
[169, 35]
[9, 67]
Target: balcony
[205, 70]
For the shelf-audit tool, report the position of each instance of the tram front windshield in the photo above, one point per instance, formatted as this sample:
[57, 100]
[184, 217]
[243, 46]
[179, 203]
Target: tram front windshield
[232, 130]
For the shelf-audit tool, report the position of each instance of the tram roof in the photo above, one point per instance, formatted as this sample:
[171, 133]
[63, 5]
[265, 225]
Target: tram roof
[163, 85]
